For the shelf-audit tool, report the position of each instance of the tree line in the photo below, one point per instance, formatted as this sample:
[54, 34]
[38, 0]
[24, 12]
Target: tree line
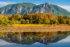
[37, 18]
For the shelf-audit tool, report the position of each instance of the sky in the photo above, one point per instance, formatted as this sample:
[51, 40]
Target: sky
[62, 3]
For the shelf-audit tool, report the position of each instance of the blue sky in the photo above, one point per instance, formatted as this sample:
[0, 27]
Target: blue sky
[62, 3]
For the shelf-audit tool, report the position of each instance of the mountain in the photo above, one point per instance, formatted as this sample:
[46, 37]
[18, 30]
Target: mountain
[22, 8]
[50, 8]
[17, 8]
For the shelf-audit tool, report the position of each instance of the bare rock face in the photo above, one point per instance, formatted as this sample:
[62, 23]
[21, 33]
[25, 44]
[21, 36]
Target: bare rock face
[20, 9]
[32, 37]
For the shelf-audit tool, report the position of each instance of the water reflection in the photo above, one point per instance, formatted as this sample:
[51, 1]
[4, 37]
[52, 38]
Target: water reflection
[33, 37]
[65, 44]
[67, 39]
[61, 43]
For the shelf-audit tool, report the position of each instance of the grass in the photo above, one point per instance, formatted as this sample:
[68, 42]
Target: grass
[38, 25]
[34, 28]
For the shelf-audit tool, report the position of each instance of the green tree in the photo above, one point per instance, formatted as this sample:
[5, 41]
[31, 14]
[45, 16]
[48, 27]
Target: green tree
[68, 21]
[62, 19]
[46, 21]
[4, 20]
[22, 21]
[27, 21]
[13, 21]
[16, 17]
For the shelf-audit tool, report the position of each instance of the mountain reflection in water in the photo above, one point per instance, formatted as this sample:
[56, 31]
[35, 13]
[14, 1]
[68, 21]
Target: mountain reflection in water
[33, 37]
[62, 43]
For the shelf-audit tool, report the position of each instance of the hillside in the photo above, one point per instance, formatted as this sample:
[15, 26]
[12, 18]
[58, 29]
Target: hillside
[23, 8]
[50, 8]
[17, 8]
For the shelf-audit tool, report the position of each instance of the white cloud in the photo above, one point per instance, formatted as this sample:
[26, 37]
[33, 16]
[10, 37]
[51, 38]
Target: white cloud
[67, 7]
[2, 3]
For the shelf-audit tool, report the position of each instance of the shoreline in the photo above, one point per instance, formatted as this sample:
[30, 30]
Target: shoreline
[34, 28]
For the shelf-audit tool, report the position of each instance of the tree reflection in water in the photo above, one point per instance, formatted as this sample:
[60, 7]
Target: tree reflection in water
[32, 37]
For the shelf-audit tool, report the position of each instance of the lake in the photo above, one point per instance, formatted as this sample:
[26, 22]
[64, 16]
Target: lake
[62, 43]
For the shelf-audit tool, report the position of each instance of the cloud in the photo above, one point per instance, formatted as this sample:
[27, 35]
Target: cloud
[67, 7]
[2, 3]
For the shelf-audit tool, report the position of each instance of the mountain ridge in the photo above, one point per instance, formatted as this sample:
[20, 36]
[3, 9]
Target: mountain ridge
[23, 8]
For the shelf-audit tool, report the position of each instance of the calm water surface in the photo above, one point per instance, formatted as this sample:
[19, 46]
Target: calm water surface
[62, 43]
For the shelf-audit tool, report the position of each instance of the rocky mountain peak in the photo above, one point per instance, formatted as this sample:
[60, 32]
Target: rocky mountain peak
[23, 8]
